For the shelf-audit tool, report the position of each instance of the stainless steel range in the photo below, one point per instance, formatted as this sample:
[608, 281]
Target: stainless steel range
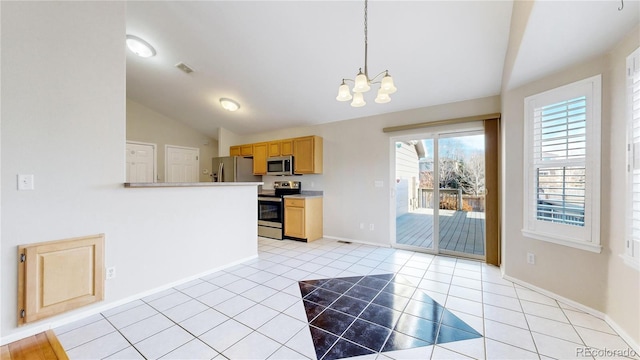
[271, 208]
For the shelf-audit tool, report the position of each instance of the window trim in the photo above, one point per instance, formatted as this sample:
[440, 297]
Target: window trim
[632, 65]
[588, 236]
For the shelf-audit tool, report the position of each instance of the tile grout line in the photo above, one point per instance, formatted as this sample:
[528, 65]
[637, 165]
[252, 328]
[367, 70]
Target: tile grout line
[121, 334]
[535, 345]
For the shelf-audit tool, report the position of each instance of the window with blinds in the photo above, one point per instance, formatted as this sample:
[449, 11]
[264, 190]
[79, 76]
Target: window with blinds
[633, 147]
[562, 165]
[559, 151]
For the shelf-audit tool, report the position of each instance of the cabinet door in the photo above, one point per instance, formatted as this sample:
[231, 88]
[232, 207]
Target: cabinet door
[246, 150]
[303, 155]
[260, 159]
[234, 151]
[286, 147]
[274, 148]
[294, 222]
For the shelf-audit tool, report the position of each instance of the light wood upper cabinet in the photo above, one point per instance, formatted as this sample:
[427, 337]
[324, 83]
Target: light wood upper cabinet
[286, 147]
[281, 147]
[260, 152]
[246, 150]
[303, 218]
[307, 154]
[275, 148]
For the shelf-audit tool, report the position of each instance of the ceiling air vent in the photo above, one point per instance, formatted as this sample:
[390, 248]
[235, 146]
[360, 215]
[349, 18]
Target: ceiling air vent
[184, 67]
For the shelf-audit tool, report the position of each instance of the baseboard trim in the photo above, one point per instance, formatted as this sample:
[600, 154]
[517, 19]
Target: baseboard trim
[49, 325]
[599, 314]
[623, 334]
[356, 241]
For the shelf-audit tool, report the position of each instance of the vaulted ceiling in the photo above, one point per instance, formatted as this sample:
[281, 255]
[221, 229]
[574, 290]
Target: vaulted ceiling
[283, 60]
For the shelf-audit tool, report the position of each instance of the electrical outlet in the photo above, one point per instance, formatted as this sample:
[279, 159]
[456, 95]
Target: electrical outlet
[371, 227]
[531, 258]
[111, 273]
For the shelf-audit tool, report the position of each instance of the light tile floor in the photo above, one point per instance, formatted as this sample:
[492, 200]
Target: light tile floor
[255, 311]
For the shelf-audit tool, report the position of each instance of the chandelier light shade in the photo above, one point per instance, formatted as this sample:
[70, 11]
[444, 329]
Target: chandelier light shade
[358, 100]
[382, 97]
[343, 93]
[363, 82]
[140, 47]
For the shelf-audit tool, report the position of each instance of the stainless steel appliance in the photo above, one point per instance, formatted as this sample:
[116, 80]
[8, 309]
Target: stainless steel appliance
[280, 165]
[271, 208]
[233, 169]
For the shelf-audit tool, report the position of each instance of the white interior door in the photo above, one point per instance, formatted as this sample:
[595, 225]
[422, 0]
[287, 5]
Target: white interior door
[141, 162]
[182, 164]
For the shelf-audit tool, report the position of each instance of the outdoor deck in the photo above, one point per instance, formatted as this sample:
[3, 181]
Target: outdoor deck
[460, 231]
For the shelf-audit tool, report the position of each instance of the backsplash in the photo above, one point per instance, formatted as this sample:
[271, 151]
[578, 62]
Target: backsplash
[309, 182]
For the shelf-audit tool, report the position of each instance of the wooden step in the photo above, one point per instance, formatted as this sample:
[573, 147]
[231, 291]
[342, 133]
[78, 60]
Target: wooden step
[43, 346]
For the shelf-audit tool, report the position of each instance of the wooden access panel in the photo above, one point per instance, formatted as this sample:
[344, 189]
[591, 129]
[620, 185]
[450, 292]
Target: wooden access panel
[58, 276]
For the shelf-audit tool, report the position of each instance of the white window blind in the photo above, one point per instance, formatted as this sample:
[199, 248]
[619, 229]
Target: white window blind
[562, 165]
[633, 147]
[559, 150]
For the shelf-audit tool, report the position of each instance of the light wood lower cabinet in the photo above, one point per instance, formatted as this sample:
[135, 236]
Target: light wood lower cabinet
[303, 218]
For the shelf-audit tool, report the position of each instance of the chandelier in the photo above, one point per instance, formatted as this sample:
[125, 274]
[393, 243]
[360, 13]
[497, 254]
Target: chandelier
[363, 83]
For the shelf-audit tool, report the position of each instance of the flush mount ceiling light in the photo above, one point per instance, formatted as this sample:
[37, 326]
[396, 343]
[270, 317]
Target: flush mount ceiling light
[229, 104]
[140, 47]
[363, 83]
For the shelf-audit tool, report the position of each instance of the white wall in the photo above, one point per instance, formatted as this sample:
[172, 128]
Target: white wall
[147, 125]
[623, 283]
[600, 281]
[356, 154]
[63, 120]
[225, 139]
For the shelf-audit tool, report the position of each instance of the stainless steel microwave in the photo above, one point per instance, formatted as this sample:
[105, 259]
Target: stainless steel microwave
[281, 165]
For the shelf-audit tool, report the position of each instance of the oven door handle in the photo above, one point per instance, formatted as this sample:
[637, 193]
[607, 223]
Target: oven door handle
[270, 199]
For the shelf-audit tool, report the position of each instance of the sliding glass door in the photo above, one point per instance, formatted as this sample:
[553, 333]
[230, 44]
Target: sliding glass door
[440, 194]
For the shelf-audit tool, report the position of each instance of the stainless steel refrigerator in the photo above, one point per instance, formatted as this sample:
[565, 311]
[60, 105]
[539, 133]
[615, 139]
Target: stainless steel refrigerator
[233, 169]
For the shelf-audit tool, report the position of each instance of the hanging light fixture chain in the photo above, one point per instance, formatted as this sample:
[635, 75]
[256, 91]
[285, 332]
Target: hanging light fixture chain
[365, 40]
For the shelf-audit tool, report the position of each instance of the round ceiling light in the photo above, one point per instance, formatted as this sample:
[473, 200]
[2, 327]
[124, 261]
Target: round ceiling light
[229, 104]
[140, 47]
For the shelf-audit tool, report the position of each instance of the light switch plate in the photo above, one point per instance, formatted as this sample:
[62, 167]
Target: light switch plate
[25, 182]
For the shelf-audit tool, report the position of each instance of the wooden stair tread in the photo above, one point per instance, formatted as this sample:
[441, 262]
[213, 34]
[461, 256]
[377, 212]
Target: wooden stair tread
[43, 346]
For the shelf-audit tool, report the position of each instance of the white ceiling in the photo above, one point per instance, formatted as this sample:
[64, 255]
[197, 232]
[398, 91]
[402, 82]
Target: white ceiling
[284, 60]
[562, 33]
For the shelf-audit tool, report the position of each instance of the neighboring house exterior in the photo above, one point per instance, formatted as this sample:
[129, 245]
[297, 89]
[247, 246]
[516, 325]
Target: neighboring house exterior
[408, 155]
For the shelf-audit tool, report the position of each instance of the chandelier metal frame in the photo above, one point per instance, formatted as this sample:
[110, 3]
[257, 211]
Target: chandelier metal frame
[362, 83]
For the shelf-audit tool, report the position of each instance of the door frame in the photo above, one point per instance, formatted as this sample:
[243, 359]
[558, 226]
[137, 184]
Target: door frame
[450, 130]
[155, 156]
[166, 160]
